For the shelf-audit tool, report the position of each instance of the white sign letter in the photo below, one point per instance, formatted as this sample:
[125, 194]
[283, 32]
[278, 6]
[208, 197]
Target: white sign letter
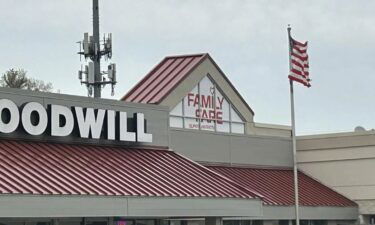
[56, 128]
[89, 122]
[124, 134]
[42, 120]
[14, 119]
[141, 135]
[111, 133]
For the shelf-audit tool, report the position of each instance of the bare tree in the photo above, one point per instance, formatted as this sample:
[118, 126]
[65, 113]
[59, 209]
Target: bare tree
[17, 79]
[39, 85]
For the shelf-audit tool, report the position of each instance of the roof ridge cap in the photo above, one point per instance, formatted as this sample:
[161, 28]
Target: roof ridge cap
[187, 55]
[115, 146]
[249, 166]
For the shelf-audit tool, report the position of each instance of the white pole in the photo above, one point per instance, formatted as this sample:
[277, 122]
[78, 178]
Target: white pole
[295, 169]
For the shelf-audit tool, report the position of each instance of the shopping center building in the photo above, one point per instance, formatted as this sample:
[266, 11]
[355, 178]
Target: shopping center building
[181, 147]
[344, 161]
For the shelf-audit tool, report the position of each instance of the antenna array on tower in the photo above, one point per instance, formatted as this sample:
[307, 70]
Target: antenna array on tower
[91, 48]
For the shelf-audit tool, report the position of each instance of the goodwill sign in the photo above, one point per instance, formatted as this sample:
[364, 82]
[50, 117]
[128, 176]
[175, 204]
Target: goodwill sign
[62, 121]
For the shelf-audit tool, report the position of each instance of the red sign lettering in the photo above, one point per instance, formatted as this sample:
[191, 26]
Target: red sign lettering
[220, 103]
[190, 98]
[206, 101]
[210, 111]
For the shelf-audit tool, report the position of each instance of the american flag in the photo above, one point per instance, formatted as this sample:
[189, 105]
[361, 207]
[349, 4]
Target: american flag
[299, 63]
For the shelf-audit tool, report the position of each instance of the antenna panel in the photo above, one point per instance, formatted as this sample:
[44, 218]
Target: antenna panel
[91, 73]
[80, 75]
[112, 72]
[86, 44]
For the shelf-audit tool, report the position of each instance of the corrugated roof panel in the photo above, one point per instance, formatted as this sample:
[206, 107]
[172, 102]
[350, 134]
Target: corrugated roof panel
[173, 81]
[28, 167]
[142, 85]
[163, 79]
[277, 186]
[163, 82]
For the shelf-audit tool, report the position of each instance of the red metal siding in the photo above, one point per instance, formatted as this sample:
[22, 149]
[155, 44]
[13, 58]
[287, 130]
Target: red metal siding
[28, 167]
[276, 185]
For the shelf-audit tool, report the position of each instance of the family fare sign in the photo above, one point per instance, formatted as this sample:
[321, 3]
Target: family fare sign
[62, 121]
[210, 108]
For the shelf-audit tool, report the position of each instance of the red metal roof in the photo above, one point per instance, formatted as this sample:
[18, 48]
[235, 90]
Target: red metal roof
[166, 76]
[276, 186]
[163, 78]
[28, 167]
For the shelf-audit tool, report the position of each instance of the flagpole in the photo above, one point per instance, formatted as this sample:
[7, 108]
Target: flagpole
[295, 169]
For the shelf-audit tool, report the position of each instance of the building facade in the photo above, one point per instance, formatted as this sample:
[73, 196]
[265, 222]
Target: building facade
[343, 161]
[181, 147]
[212, 124]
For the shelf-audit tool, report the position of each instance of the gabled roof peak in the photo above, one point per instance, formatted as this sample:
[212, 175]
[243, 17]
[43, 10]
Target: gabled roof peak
[167, 75]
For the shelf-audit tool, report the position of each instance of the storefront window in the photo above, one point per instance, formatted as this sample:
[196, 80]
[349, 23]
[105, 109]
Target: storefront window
[256, 222]
[231, 222]
[75, 221]
[372, 219]
[319, 222]
[97, 223]
[124, 222]
[145, 222]
[243, 222]
[310, 222]
[206, 108]
[12, 223]
[29, 222]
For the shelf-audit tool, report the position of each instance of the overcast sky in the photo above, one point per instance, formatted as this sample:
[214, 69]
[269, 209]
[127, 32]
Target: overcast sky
[247, 39]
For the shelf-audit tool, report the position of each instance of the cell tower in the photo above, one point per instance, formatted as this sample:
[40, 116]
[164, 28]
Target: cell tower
[94, 49]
